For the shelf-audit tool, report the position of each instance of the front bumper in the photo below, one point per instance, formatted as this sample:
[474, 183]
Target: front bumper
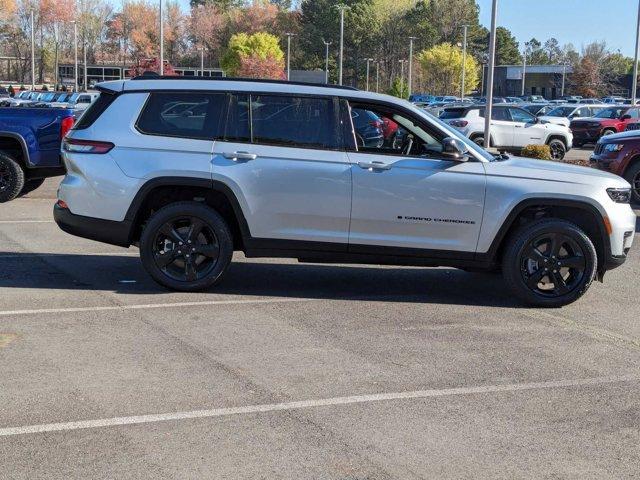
[106, 231]
[585, 135]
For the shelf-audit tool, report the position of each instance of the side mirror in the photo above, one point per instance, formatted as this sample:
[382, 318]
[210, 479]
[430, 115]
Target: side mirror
[454, 149]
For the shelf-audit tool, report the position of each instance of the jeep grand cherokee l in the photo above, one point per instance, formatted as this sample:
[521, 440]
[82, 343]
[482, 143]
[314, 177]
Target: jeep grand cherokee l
[276, 169]
[606, 122]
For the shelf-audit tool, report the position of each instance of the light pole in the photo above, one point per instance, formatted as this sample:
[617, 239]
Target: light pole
[402, 62]
[377, 75]
[341, 9]
[161, 41]
[368, 60]
[464, 61]
[634, 83]
[492, 58]
[326, 60]
[75, 56]
[289, 35]
[84, 61]
[411, 39]
[484, 66]
[564, 75]
[201, 49]
[33, 55]
[524, 65]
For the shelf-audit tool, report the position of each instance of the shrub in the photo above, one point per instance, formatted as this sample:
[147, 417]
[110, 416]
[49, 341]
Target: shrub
[541, 152]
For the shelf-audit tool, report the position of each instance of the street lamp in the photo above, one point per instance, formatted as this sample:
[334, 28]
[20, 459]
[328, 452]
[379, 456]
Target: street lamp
[564, 75]
[75, 55]
[341, 9]
[464, 61]
[84, 58]
[402, 63]
[492, 59]
[201, 49]
[33, 55]
[411, 39]
[368, 60]
[161, 41]
[634, 83]
[326, 60]
[289, 35]
[377, 75]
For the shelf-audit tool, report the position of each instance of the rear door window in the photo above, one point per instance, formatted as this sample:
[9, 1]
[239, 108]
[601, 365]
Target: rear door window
[187, 115]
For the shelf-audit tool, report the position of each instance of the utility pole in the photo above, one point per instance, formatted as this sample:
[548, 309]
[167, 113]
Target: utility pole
[634, 83]
[492, 58]
[524, 65]
[289, 35]
[464, 61]
[33, 55]
[409, 84]
[75, 56]
[161, 41]
[341, 9]
[326, 60]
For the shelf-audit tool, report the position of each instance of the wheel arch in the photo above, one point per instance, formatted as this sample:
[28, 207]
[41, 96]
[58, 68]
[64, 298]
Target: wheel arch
[582, 213]
[161, 191]
[12, 139]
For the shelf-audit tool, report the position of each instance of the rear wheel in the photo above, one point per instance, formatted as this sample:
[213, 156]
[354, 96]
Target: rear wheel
[11, 178]
[549, 263]
[31, 185]
[479, 140]
[632, 175]
[608, 131]
[186, 246]
[558, 150]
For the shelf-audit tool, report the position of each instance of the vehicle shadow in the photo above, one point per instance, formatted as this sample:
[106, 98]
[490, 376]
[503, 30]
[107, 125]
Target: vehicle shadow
[269, 278]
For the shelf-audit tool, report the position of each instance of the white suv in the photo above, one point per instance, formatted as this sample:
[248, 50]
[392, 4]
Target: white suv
[191, 170]
[512, 128]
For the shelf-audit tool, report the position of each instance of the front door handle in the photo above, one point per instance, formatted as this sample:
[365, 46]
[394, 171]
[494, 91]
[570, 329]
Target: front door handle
[374, 165]
[240, 155]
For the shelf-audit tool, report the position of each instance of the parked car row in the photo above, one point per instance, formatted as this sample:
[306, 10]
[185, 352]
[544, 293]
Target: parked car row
[27, 98]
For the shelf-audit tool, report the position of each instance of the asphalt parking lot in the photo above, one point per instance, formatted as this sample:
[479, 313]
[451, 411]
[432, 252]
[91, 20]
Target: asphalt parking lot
[303, 371]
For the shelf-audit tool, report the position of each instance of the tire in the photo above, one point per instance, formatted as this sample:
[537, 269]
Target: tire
[607, 131]
[558, 149]
[479, 140]
[199, 228]
[529, 255]
[632, 175]
[11, 178]
[31, 185]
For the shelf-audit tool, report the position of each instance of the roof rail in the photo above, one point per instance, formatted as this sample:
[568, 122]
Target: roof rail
[240, 79]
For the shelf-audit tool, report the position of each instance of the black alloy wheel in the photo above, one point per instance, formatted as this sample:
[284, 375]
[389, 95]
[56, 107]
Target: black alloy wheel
[11, 178]
[552, 264]
[186, 249]
[557, 149]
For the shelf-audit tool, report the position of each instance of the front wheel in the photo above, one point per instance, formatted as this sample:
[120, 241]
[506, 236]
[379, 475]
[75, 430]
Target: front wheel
[186, 246]
[557, 148]
[549, 263]
[11, 178]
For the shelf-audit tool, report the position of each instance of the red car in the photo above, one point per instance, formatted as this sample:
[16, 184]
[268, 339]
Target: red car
[613, 119]
[620, 154]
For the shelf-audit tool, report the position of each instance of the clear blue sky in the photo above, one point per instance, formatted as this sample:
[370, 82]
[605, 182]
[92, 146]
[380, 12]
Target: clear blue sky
[570, 21]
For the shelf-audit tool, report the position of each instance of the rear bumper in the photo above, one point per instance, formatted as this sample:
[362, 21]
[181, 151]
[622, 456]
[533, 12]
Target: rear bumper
[106, 231]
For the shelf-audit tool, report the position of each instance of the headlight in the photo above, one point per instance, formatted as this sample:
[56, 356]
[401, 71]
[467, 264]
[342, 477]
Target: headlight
[613, 147]
[620, 195]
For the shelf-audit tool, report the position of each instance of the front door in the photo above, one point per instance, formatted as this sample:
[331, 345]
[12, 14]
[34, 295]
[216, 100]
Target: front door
[527, 130]
[282, 155]
[406, 195]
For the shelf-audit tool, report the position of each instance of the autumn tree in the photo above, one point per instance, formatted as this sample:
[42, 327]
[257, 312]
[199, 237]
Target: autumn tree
[442, 70]
[245, 52]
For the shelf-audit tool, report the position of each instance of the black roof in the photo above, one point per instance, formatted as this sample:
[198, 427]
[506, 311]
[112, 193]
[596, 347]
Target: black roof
[240, 79]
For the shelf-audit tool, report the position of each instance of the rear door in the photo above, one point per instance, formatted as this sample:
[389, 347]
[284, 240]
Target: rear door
[283, 156]
[502, 128]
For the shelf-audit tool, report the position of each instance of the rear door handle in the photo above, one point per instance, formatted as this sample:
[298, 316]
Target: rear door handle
[240, 155]
[374, 165]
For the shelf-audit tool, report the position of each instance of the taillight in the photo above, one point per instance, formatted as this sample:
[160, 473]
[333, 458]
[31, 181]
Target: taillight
[65, 126]
[86, 146]
[458, 123]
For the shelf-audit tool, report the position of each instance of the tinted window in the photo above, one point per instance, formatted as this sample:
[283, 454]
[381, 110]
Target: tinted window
[294, 121]
[450, 113]
[200, 116]
[611, 113]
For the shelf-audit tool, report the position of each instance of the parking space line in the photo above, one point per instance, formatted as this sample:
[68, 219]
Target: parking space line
[296, 405]
[9, 222]
[146, 306]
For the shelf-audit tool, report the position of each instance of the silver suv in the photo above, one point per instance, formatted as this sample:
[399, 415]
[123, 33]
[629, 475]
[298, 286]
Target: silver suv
[190, 170]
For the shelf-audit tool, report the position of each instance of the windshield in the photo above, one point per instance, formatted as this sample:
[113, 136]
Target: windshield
[612, 113]
[73, 98]
[561, 112]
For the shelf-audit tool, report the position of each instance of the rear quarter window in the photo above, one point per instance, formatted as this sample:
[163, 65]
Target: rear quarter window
[186, 115]
[94, 110]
